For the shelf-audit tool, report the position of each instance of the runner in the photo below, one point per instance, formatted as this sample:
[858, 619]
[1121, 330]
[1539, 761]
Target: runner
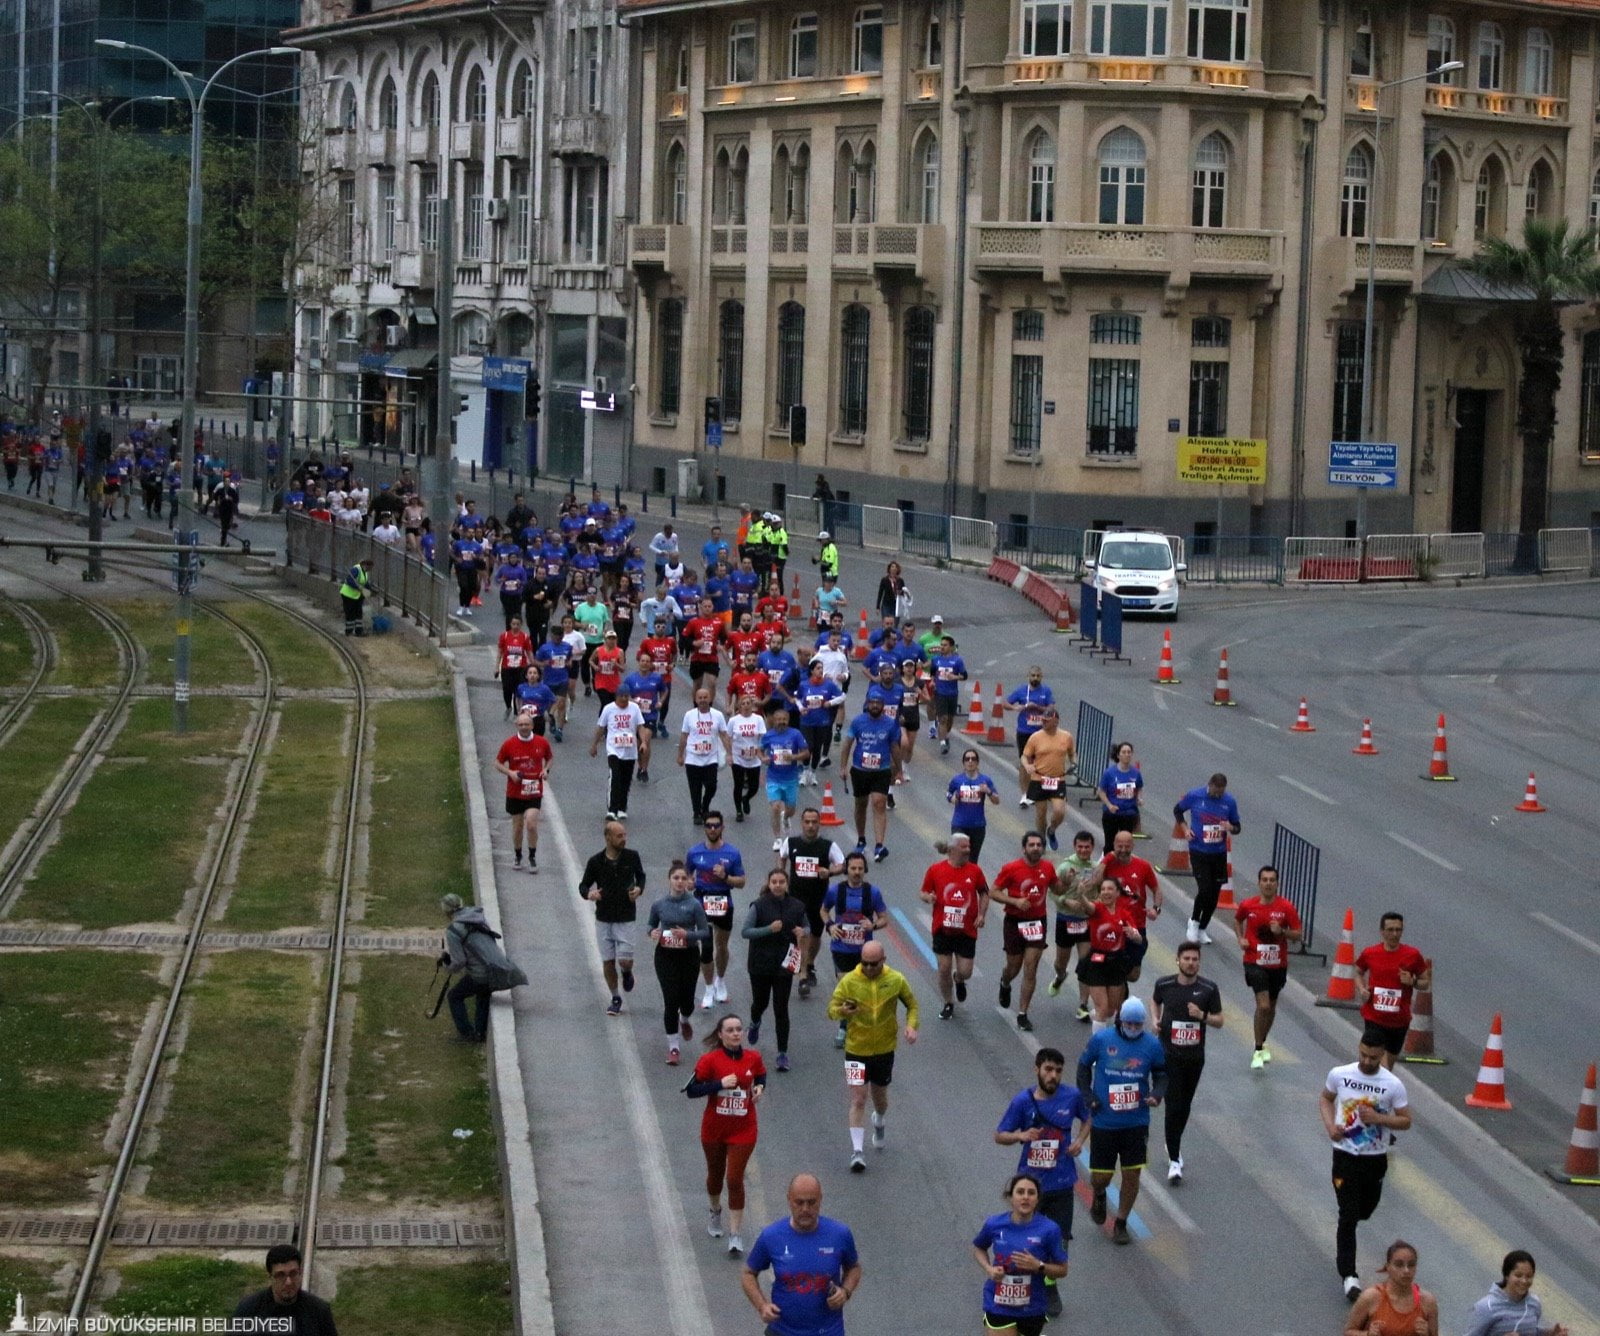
[1121, 795]
[1141, 891]
[1386, 975]
[811, 859]
[908, 711]
[613, 880]
[866, 1000]
[959, 894]
[590, 617]
[786, 752]
[555, 660]
[817, 699]
[949, 671]
[663, 652]
[1050, 1122]
[512, 577]
[621, 725]
[1209, 815]
[718, 871]
[1363, 1106]
[1029, 1255]
[677, 926]
[512, 652]
[702, 751]
[1123, 1074]
[746, 729]
[1509, 1309]
[1185, 1005]
[1398, 1306]
[967, 793]
[851, 911]
[815, 1268]
[525, 760]
[1049, 757]
[874, 766]
[747, 679]
[731, 1079]
[644, 685]
[1104, 969]
[1074, 895]
[775, 927]
[1028, 701]
[1265, 924]
[1023, 887]
[606, 668]
[705, 635]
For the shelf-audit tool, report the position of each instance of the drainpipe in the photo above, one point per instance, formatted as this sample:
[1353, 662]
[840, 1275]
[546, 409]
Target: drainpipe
[963, 110]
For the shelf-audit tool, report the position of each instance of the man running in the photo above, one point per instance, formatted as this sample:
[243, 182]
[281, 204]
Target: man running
[1023, 888]
[959, 894]
[811, 859]
[705, 634]
[1386, 975]
[1050, 1122]
[1141, 893]
[646, 689]
[1048, 757]
[866, 1000]
[1028, 701]
[702, 751]
[786, 752]
[874, 767]
[1074, 896]
[525, 759]
[949, 671]
[815, 1267]
[1209, 816]
[621, 726]
[1186, 1006]
[1265, 925]
[1122, 1072]
[613, 880]
[718, 871]
[555, 663]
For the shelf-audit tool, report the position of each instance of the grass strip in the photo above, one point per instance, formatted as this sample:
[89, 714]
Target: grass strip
[409, 1092]
[36, 752]
[467, 1299]
[399, 659]
[283, 878]
[28, 1278]
[183, 1285]
[128, 846]
[418, 833]
[225, 1129]
[300, 658]
[16, 651]
[69, 1021]
[217, 656]
[86, 655]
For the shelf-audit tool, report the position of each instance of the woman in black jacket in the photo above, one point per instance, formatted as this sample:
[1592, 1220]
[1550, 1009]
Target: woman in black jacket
[891, 589]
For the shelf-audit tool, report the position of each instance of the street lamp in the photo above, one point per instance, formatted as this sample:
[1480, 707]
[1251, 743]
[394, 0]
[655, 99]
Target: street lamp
[197, 92]
[1367, 406]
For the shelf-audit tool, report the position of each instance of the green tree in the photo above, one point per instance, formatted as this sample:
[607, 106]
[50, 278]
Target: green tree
[1551, 268]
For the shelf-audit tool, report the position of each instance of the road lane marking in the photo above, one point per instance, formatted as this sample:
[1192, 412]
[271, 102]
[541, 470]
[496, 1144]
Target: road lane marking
[914, 937]
[1161, 702]
[1206, 737]
[1265, 723]
[1311, 792]
[1416, 848]
[1556, 926]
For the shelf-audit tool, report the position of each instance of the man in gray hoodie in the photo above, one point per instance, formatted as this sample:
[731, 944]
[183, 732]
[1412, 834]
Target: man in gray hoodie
[471, 949]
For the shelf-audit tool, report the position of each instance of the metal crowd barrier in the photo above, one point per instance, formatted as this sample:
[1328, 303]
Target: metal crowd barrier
[402, 580]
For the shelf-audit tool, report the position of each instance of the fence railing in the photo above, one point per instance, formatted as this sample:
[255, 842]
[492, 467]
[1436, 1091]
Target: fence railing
[1566, 549]
[882, 528]
[401, 580]
[1298, 862]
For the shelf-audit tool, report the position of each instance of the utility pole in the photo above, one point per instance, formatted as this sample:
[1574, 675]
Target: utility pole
[434, 468]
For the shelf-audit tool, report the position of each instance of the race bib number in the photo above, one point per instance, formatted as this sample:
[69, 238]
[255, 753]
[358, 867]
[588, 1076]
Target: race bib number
[532, 786]
[622, 741]
[1127, 790]
[1185, 1034]
[970, 793]
[791, 959]
[1049, 783]
[947, 674]
[853, 934]
[717, 906]
[871, 760]
[781, 756]
[955, 918]
[909, 699]
[674, 938]
[1386, 999]
[700, 747]
[1124, 1097]
[1013, 1291]
[733, 1104]
[513, 658]
[855, 1073]
[1213, 833]
[1032, 930]
[1044, 1153]
[806, 866]
[1269, 954]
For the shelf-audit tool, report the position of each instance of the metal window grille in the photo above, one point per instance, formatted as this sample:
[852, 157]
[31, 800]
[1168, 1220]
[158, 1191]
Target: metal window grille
[1347, 382]
[1114, 328]
[1589, 397]
[1208, 398]
[1027, 402]
[428, 182]
[791, 357]
[1113, 417]
[1027, 326]
[669, 329]
[730, 339]
[918, 403]
[1211, 331]
[854, 343]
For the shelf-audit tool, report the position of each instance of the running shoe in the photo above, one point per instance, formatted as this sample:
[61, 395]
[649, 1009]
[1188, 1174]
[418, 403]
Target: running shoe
[739, 817]
[722, 989]
[1055, 985]
[947, 1011]
[1051, 840]
[1175, 1171]
[777, 846]
[672, 1057]
[708, 999]
[861, 844]
[714, 1224]
[1352, 1288]
[1023, 1023]
[627, 981]
[533, 863]
[1005, 994]
[1266, 1053]
[517, 859]
[1258, 1059]
[805, 988]
[961, 990]
[1024, 801]
[879, 853]
[753, 1034]
[858, 1162]
[615, 1009]
[782, 1063]
[1083, 1014]
[890, 800]
[735, 1245]
[1097, 1208]
[1119, 1232]
[880, 1133]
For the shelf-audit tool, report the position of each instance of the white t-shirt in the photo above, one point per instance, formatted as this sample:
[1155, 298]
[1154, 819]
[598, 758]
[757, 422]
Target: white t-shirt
[1351, 1088]
[702, 737]
[835, 664]
[622, 725]
[388, 534]
[577, 644]
[744, 736]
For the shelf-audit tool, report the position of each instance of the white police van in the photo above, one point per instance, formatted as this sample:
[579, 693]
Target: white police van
[1139, 567]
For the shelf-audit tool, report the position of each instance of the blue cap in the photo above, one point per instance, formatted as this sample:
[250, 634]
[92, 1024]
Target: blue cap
[1133, 1012]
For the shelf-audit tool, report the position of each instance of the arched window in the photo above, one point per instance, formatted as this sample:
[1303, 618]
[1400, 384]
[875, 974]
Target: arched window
[472, 334]
[516, 333]
[430, 102]
[719, 186]
[680, 69]
[388, 107]
[348, 117]
[1439, 199]
[1539, 194]
[1538, 63]
[1441, 48]
[1491, 56]
[780, 184]
[477, 97]
[928, 179]
[523, 94]
[1122, 175]
[1209, 206]
[730, 358]
[916, 403]
[861, 186]
[1041, 178]
[1594, 201]
[738, 174]
[791, 358]
[855, 338]
[675, 194]
[1489, 200]
[797, 184]
[1353, 192]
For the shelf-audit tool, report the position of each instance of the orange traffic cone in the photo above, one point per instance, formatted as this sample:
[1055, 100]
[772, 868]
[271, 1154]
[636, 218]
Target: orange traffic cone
[997, 717]
[1419, 1038]
[1583, 1151]
[1164, 675]
[795, 613]
[1365, 747]
[975, 725]
[1064, 615]
[1439, 765]
[861, 637]
[1530, 799]
[1342, 982]
[1220, 695]
[1302, 720]
[1178, 853]
[830, 814]
[1225, 895]
[1490, 1090]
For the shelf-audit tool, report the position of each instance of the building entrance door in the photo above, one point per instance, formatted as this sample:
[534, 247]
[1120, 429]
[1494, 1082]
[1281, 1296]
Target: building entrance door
[1466, 489]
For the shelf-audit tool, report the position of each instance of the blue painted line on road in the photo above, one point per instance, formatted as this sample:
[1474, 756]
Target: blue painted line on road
[915, 937]
[1136, 1226]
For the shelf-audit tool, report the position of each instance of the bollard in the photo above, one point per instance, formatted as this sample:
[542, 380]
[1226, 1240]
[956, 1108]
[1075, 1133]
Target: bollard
[617, 499]
[674, 499]
[644, 503]
[474, 470]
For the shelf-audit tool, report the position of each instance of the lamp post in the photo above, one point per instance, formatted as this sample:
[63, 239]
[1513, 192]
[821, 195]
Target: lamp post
[1368, 414]
[197, 92]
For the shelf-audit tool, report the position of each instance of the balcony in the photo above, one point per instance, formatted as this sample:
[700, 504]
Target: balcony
[585, 135]
[378, 146]
[788, 247]
[511, 138]
[1036, 69]
[416, 269]
[1344, 262]
[676, 106]
[657, 248]
[728, 246]
[466, 141]
[422, 143]
[1172, 254]
[1491, 104]
[926, 85]
[338, 150]
[1122, 71]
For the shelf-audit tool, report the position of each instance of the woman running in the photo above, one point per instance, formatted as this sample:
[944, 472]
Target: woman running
[1398, 1306]
[1017, 1249]
[1509, 1309]
[909, 714]
[967, 794]
[775, 927]
[677, 927]
[1103, 969]
[1120, 792]
[731, 1079]
[512, 653]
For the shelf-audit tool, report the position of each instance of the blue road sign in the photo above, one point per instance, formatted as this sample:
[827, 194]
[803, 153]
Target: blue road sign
[1363, 464]
[714, 435]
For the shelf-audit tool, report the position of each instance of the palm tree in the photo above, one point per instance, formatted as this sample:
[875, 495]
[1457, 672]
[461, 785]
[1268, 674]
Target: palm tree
[1551, 268]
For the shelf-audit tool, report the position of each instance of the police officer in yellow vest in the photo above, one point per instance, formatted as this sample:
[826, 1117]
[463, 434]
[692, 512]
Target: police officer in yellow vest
[353, 592]
[778, 540]
[827, 560]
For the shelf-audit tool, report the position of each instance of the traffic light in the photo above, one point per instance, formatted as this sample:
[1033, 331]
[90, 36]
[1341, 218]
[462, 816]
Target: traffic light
[531, 408]
[797, 424]
[713, 409]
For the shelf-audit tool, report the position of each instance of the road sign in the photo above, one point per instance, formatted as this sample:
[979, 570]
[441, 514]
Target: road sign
[506, 373]
[1221, 459]
[1363, 464]
[714, 435]
[596, 401]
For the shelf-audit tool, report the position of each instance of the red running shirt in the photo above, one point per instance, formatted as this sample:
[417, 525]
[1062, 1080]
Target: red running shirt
[1033, 881]
[607, 665]
[1138, 881]
[1270, 953]
[705, 633]
[1108, 929]
[958, 893]
[515, 649]
[1390, 1003]
[730, 1115]
[662, 651]
[527, 759]
[755, 684]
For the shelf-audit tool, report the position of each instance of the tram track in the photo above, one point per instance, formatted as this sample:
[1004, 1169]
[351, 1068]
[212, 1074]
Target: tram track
[44, 658]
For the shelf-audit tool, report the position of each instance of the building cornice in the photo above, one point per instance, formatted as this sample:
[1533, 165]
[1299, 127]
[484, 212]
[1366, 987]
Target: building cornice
[409, 16]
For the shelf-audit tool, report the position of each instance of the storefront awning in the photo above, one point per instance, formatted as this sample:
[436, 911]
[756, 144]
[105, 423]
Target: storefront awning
[412, 362]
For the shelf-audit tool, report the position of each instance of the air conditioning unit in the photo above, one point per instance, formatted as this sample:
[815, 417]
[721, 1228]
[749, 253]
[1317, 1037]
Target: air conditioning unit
[496, 210]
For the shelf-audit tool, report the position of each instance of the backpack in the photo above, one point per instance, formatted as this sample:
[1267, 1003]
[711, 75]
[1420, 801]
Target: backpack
[487, 963]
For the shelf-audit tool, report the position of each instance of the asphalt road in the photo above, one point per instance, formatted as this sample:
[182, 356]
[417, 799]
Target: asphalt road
[1502, 900]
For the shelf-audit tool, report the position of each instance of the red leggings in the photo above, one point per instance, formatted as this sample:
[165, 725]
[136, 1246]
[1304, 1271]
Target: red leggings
[730, 1160]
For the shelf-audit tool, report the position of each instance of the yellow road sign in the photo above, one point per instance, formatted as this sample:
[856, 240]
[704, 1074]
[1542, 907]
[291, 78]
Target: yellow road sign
[1221, 459]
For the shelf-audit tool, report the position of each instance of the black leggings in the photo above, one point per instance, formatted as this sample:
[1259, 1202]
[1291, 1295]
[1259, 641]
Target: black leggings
[467, 584]
[746, 784]
[510, 680]
[1183, 1078]
[677, 971]
[621, 783]
[511, 606]
[1112, 822]
[1358, 1187]
[1210, 871]
[773, 987]
[819, 738]
[975, 836]
[702, 789]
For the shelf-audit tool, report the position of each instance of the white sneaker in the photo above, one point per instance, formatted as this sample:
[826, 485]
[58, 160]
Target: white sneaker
[708, 999]
[1175, 1171]
[1352, 1288]
[1024, 801]
[1205, 937]
[879, 1132]
[714, 1224]
[1192, 932]
[777, 846]
[735, 1245]
[722, 990]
